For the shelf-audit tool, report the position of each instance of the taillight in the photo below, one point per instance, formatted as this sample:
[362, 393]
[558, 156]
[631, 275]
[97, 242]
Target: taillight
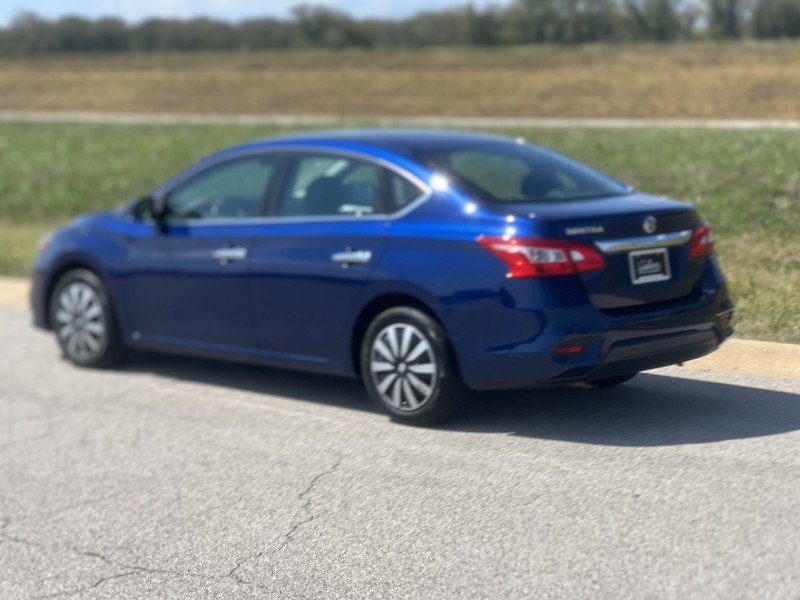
[702, 243]
[541, 257]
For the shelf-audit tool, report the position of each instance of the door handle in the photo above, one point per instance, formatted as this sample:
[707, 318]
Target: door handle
[226, 254]
[352, 257]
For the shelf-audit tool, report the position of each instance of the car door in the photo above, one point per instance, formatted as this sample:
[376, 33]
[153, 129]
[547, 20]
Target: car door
[311, 260]
[187, 274]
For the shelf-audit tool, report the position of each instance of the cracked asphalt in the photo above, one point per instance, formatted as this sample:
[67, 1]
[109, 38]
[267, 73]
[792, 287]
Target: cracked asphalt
[182, 478]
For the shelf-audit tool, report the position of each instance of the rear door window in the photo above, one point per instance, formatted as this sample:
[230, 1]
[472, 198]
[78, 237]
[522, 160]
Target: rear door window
[330, 185]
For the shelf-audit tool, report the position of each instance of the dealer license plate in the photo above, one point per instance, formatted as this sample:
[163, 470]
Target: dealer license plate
[648, 266]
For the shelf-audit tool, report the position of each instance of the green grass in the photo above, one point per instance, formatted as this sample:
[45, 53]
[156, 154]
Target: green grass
[746, 182]
[17, 246]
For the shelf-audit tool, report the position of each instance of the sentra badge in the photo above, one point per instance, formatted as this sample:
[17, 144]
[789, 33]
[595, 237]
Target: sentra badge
[585, 230]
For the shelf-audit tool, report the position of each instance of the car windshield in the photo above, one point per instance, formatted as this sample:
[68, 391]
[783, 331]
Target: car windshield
[507, 172]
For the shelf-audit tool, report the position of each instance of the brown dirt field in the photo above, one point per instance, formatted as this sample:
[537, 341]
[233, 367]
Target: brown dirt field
[696, 80]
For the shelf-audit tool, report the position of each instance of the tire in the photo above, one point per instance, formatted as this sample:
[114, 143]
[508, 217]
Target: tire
[409, 369]
[84, 322]
[613, 381]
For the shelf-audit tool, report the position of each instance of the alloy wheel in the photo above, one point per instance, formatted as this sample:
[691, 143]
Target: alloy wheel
[403, 366]
[80, 322]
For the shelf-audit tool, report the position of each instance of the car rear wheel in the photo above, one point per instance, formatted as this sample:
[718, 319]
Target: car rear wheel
[83, 321]
[409, 369]
[613, 381]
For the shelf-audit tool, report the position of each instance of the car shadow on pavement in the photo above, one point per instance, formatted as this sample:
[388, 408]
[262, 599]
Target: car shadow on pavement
[296, 385]
[650, 410]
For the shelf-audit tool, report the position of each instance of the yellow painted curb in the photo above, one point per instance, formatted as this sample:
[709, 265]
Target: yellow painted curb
[14, 292]
[749, 357]
[745, 357]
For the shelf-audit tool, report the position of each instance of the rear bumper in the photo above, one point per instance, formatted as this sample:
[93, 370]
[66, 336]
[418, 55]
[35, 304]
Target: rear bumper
[612, 345]
[642, 355]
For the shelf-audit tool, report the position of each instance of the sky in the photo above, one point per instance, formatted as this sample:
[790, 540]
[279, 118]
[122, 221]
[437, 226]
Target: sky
[231, 10]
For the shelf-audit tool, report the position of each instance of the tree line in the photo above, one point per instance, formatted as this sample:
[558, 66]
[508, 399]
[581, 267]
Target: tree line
[521, 22]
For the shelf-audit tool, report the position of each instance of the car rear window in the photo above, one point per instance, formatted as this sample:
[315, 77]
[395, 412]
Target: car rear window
[520, 173]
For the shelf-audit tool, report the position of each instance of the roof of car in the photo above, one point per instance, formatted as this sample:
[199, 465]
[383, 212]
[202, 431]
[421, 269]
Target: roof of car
[402, 141]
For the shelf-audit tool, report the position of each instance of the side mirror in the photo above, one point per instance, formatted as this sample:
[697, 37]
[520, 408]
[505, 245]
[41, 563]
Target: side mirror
[148, 208]
[158, 206]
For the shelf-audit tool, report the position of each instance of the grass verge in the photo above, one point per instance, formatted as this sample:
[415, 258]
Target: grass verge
[18, 245]
[746, 182]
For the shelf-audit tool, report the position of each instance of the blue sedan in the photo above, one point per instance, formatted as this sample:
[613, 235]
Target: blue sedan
[426, 263]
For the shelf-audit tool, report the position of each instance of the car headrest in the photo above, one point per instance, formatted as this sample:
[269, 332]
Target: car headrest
[324, 197]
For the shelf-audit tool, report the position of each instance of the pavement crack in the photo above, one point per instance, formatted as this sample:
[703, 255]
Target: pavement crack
[305, 497]
[6, 522]
[139, 568]
[170, 572]
[72, 506]
[129, 571]
[86, 588]
[97, 555]
[233, 572]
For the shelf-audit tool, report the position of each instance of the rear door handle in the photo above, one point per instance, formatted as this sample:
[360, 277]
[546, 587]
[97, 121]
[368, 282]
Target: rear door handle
[227, 254]
[352, 257]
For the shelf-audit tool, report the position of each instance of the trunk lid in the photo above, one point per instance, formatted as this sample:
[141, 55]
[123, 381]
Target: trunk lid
[643, 239]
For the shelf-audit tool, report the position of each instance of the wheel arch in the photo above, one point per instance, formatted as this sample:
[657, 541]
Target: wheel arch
[71, 264]
[375, 307]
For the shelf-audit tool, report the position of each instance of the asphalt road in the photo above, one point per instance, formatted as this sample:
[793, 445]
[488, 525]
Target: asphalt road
[180, 478]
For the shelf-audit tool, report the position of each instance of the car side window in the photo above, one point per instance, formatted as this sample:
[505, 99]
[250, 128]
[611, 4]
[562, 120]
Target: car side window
[319, 184]
[233, 189]
[401, 191]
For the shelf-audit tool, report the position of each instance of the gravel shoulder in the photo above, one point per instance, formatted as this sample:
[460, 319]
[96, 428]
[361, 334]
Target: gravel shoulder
[331, 120]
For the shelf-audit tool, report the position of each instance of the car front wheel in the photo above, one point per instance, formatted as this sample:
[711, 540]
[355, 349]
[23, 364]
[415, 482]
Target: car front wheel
[83, 320]
[409, 369]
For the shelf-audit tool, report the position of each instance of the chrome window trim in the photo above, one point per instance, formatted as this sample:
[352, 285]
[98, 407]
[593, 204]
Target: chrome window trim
[642, 243]
[427, 191]
[293, 219]
[426, 188]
